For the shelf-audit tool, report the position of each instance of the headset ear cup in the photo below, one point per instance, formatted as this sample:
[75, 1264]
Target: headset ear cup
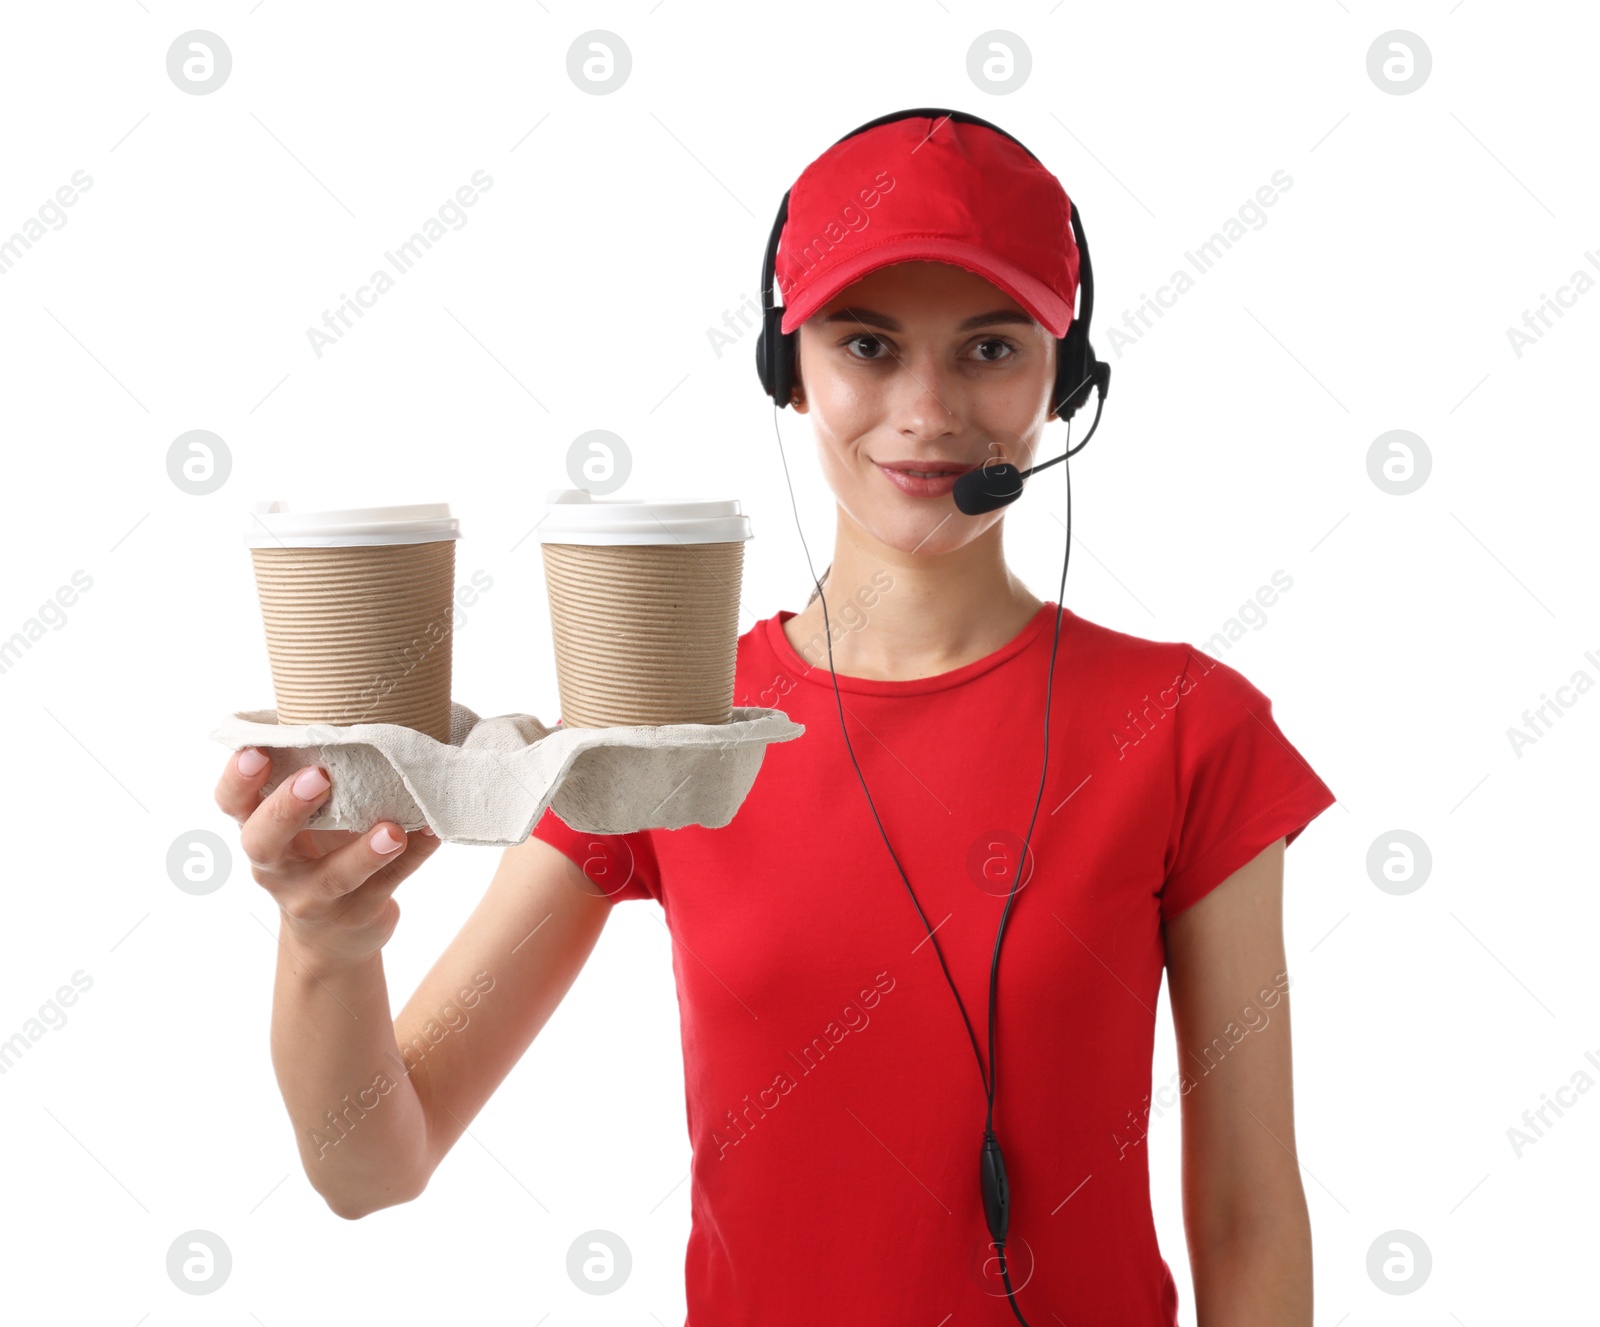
[775, 356]
[786, 367]
[1071, 369]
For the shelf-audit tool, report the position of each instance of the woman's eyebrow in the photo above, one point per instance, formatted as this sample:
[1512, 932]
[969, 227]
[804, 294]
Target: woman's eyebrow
[872, 318]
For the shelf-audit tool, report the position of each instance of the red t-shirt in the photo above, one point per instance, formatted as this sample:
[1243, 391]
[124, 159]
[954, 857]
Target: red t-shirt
[835, 1107]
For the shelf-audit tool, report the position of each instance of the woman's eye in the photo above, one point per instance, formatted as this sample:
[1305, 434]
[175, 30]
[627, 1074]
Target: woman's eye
[997, 343]
[870, 340]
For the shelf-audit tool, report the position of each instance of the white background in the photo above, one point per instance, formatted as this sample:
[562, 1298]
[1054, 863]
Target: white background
[620, 228]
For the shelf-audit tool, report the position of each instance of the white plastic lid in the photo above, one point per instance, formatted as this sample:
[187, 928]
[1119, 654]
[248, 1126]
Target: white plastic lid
[573, 516]
[273, 525]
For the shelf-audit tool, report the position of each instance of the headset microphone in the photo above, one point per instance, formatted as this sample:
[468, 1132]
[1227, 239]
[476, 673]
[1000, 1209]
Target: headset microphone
[990, 487]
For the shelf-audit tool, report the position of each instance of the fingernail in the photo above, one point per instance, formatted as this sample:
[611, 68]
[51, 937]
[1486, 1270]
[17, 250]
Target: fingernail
[385, 842]
[430, 831]
[251, 762]
[310, 782]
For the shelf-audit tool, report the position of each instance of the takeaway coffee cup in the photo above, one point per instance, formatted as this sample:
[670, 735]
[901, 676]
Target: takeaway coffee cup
[644, 607]
[358, 609]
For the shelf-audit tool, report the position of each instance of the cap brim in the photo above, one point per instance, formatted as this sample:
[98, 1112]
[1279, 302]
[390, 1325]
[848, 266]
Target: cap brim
[1034, 296]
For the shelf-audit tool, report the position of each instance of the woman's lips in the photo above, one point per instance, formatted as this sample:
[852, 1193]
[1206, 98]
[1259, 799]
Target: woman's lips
[926, 486]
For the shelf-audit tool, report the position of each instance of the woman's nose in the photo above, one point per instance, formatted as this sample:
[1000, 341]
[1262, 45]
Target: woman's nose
[926, 401]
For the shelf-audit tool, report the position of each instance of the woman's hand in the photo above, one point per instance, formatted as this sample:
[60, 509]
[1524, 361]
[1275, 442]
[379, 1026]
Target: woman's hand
[334, 889]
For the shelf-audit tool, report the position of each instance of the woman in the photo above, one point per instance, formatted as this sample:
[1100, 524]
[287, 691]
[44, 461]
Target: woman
[834, 1103]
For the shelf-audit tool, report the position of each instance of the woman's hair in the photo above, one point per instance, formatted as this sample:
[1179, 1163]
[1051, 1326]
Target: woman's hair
[822, 577]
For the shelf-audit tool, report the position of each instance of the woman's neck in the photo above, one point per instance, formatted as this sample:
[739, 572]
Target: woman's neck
[900, 616]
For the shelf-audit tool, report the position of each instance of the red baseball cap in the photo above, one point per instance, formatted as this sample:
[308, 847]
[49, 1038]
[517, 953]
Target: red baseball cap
[929, 188]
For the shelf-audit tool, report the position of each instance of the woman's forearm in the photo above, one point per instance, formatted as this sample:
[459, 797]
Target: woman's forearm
[357, 1117]
[1259, 1272]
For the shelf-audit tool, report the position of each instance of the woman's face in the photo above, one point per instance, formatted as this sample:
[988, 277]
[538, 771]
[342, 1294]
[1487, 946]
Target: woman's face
[921, 364]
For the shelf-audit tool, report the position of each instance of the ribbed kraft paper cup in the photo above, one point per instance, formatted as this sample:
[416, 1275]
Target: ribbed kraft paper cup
[644, 607]
[359, 632]
[644, 633]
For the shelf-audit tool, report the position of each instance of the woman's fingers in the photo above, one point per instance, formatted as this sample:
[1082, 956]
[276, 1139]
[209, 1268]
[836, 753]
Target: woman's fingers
[239, 789]
[271, 827]
[365, 861]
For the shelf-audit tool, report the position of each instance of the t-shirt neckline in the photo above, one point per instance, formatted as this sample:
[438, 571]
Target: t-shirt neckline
[875, 686]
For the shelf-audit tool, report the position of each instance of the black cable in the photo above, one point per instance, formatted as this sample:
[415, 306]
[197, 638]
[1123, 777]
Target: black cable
[1061, 592]
[987, 1077]
[827, 631]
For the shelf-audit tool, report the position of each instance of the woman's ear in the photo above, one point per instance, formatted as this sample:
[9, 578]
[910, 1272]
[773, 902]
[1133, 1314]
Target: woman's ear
[1055, 364]
[797, 392]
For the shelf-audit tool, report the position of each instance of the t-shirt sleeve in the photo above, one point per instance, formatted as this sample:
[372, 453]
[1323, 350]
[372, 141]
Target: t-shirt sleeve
[1241, 784]
[622, 866]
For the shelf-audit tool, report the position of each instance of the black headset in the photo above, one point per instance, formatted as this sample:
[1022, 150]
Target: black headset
[980, 490]
[1077, 369]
